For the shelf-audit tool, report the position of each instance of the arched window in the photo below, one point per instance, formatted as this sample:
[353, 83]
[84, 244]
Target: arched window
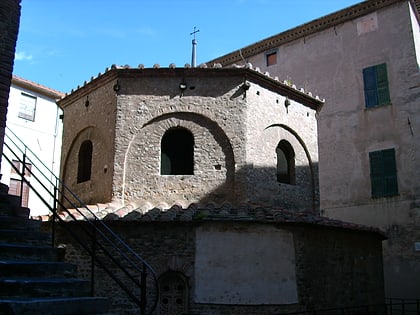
[285, 163]
[173, 297]
[84, 167]
[177, 152]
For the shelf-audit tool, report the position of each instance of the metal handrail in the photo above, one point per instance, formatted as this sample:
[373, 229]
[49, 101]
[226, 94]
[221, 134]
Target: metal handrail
[102, 237]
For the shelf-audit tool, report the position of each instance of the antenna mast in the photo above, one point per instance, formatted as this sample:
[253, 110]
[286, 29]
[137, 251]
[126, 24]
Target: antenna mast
[194, 43]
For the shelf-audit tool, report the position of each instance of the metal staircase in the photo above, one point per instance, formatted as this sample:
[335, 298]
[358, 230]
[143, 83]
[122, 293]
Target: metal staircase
[34, 279]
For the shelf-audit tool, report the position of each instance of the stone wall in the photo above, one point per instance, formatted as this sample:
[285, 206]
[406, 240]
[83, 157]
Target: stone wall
[90, 117]
[9, 27]
[235, 130]
[333, 267]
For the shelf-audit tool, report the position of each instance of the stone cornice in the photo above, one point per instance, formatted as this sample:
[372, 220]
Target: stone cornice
[247, 72]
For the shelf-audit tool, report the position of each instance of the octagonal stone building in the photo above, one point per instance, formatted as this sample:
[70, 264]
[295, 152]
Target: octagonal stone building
[146, 137]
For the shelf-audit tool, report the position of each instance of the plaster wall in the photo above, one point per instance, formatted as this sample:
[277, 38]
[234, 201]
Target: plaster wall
[231, 271]
[330, 63]
[43, 138]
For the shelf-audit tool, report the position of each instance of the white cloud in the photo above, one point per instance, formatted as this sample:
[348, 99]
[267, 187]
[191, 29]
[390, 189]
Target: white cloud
[22, 56]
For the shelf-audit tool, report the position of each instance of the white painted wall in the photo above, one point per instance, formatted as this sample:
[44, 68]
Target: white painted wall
[42, 136]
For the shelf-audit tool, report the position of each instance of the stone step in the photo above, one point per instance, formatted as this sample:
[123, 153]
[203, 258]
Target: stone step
[30, 252]
[19, 223]
[55, 306]
[43, 287]
[25, 237]
[27, 269]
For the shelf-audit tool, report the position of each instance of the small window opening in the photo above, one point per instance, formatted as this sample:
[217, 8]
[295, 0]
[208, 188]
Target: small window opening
[271, 58]
[177, 152]
[85, 162]
[285, 163]
[174, 294]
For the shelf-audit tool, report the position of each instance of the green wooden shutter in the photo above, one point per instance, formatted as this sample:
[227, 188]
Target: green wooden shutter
[390, 173]
[370, 87]
[376, 173]
[382, 85]
[376, 86]
[383, 173]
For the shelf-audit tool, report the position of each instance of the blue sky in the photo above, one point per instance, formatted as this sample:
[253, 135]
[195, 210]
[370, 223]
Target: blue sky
[62, 43]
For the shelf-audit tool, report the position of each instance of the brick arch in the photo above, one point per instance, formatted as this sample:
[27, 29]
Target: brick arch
[308, 156]
[187, 120]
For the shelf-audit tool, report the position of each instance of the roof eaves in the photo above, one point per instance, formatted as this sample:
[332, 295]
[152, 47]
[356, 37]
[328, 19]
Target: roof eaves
[306, 29]
[36, 87]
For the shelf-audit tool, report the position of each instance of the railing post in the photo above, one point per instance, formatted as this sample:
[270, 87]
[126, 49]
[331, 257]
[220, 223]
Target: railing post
[143, 286]
[23, 170]
[92, 267]
[54, 216]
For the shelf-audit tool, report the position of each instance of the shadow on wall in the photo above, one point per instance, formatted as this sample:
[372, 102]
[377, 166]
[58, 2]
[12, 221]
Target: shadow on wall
[260, 186]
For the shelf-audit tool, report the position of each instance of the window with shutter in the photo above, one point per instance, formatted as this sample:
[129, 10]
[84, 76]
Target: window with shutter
[383, 173]
[376, 86]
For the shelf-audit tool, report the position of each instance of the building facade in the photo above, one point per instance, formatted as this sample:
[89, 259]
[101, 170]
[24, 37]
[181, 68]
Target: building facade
[210, 174]
[33, 117]
[364, 60]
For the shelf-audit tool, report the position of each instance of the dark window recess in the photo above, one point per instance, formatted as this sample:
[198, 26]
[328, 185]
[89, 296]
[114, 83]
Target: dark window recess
[177, 152]
[84, 168]
[383, 173]
[376, 86]
[271, 58]
[285, 163]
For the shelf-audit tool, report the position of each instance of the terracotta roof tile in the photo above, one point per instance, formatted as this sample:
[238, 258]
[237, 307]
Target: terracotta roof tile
[225, 212]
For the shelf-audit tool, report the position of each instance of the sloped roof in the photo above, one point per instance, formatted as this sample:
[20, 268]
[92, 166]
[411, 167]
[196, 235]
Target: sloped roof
[309, 28]
[36, 87]
[194, 213]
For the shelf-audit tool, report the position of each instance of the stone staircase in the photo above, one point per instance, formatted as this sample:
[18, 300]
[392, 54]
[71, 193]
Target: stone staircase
[34, 279]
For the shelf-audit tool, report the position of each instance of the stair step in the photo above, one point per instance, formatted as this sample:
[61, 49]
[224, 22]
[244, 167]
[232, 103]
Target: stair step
[25, 237]
[44, 287]
[19, 223]
[31, 252]
[55, 306]
[26, 269]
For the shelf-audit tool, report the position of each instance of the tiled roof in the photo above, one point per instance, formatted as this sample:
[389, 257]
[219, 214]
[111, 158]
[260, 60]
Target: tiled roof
[36, 87]
[211, 212]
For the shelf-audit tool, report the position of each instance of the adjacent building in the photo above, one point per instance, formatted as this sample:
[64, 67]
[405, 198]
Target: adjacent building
[364, 60]
[33, 119]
